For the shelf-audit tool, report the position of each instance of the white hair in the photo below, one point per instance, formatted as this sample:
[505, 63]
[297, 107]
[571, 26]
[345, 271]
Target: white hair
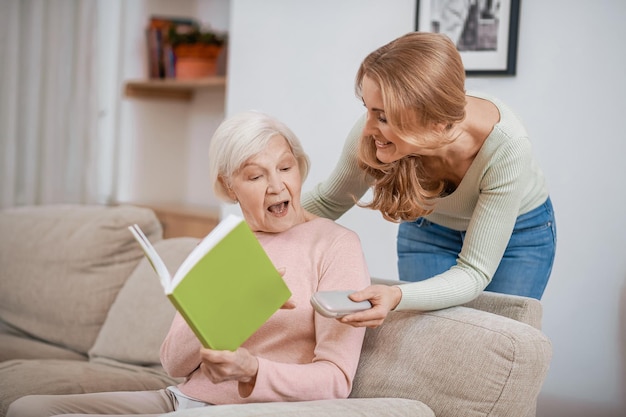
[241, 137]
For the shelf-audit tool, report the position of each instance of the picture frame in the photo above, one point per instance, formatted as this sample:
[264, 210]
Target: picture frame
[484, 31]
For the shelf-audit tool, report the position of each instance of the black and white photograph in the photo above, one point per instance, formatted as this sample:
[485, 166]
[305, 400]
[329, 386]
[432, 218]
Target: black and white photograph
[484, 31]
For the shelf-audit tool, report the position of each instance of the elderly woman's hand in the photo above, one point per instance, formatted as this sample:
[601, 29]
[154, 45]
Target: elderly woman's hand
[289, 304]
[384, 298]
[224, 365]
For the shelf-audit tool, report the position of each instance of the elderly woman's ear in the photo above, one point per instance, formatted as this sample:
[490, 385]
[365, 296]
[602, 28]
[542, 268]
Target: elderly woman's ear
[231, 193]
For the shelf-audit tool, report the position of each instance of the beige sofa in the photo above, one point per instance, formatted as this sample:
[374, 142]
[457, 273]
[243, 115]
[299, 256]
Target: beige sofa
[82, 311]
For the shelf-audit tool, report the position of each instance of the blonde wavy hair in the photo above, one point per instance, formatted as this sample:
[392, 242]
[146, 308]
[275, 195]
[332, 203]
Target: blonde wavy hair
[422, 81]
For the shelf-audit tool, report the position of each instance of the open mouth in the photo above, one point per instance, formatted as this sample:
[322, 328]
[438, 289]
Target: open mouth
[279, 209]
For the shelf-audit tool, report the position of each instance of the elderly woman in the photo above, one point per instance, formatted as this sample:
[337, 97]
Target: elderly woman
[297, 355]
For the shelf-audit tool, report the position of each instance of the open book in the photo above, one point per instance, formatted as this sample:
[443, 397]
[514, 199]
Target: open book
[226, 288]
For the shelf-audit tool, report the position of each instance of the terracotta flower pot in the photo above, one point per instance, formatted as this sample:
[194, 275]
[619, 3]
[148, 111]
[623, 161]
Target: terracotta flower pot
[196, 60]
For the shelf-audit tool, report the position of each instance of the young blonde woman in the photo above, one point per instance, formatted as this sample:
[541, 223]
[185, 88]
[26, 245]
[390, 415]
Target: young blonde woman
[455, 168]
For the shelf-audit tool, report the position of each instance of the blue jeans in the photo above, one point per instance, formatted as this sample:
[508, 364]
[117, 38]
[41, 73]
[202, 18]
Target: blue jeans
[426, 249]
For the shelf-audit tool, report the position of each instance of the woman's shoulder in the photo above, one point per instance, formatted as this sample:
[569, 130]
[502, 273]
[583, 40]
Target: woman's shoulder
[317, 235]
[485, 96]
[320, 230]
[323, 226]
[507, 143]
[510, 123]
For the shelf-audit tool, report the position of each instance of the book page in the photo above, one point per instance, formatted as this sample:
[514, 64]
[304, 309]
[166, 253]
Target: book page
[153, 257]
[217, 234]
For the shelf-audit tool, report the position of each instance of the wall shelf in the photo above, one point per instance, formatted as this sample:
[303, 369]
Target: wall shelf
[179, 219]
[170, 89]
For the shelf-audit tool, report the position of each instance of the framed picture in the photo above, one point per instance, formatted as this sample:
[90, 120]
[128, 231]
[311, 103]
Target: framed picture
[484, 31]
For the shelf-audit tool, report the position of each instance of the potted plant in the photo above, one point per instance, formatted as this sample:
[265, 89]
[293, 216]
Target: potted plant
[196, 50]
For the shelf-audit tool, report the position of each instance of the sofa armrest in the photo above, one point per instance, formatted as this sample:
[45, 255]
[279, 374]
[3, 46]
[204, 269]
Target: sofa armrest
[524, 309]
[458, 361]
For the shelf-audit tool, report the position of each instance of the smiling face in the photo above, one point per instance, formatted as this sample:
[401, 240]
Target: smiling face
[389, 146]
[268, 187]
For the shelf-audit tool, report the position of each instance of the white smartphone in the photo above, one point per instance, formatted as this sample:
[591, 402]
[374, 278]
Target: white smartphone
[334, 304]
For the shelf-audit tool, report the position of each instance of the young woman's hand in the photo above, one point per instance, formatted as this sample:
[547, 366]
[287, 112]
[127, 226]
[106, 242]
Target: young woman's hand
[383, 298]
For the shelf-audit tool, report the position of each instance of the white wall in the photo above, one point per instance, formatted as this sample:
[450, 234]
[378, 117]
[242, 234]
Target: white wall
[297, 61]
[301, 70]
[163, 144]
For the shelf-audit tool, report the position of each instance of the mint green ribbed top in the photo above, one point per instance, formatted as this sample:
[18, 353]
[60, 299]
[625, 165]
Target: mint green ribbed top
[503, 182]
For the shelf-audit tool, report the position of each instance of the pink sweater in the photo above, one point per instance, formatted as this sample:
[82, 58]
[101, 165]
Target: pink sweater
[302, 355]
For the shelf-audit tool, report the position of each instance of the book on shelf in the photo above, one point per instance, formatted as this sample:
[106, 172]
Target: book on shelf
[226, 288]
[161, 58]
[155, 63]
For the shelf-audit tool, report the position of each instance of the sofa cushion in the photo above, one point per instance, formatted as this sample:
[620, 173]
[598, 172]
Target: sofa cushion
[459, 361]
[12, 347]
[141, 314]
[15, 344]
[361, 407]
[61, 267]
[21, 377]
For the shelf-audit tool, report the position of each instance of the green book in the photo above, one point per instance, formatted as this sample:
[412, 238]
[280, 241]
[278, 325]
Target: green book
[226, 288]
